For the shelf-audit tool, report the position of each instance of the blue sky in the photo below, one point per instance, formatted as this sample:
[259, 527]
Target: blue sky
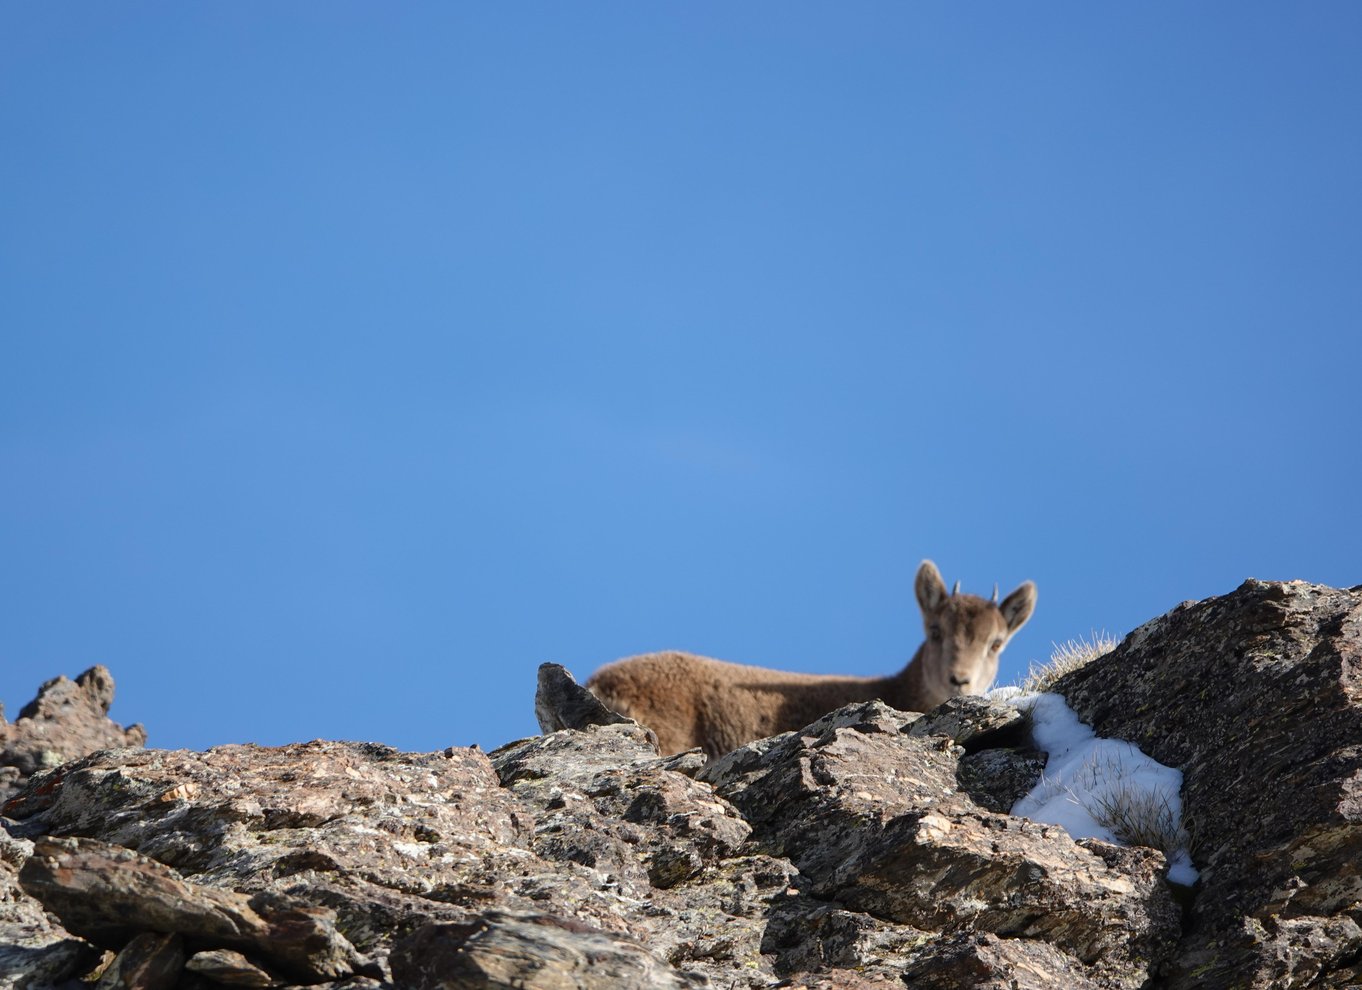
[357, 358]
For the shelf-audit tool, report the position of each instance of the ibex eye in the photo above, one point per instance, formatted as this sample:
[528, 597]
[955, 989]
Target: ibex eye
[997, 645]
[936, 633]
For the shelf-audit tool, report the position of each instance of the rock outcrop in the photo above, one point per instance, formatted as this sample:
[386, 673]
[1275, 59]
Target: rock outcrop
[66, 720]
[1257, 697]
[872, 849]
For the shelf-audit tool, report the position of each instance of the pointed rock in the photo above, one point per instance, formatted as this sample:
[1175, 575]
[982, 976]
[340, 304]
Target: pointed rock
[562, 703]
[67, 719]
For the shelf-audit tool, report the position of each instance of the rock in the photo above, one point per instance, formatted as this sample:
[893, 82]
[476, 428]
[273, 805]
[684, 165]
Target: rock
[387, 840]
[973, 722]
[561, 703]
[807, 935]
[874, 819]
[34, 952]
[999, 765]
[532, 952]
[996, 779]
[592, 811]
[66, 720]
[1257, 697]
[734, 771]
[229, 969]
[602, 799]
[109, 895]
[984, 961]
[149, 962]
[871, 849]
[392, 841]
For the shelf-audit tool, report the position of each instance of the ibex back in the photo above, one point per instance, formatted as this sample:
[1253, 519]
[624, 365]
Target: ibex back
[694, 701]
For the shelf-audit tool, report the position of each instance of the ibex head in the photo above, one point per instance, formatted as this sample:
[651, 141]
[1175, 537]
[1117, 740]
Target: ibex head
[965, 634]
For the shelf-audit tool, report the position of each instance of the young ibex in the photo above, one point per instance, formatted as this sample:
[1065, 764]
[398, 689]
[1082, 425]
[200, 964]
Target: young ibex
[693, 701]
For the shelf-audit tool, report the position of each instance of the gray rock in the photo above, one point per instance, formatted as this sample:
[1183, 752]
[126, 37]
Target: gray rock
[1257, 697]
[387, 840]
[972, 722]
[149, 962]
[561, 703]
[500, 951]
[67, 719]
[637, 821]
[34, 951]
[983, 961]
[49, 963]
[109, 895]
[230, 969]
[996, 779]
[875, 820]
[808, 935]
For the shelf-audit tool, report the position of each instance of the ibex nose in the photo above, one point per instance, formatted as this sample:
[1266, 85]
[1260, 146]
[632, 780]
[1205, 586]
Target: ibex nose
[959, 681]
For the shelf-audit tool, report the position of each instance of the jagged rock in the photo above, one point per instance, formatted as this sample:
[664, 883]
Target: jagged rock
[808, 935]
[561, 703]
[228, 968]
[66, 720]
[996, 779]
[387, 840]
[592, 810]
[999, 765]
[34, 952]
[392, 841]
[1257, 697]
[149, 962]
[983, 961]
[109, 895]
[530, 952]
[874, 819]
[602, 798]
[841, 979]
[972, 722]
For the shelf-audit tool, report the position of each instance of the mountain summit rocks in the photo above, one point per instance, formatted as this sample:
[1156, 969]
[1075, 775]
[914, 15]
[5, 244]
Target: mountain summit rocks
[871, 849]
[66, 720]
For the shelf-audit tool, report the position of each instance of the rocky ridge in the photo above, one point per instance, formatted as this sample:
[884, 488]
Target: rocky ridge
[870, 849]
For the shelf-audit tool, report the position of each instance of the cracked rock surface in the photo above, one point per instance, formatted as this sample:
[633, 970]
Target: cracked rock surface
[1257, 697]
[871, 849]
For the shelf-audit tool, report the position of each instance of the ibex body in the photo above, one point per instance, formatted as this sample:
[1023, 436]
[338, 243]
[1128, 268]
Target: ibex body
[694, 701]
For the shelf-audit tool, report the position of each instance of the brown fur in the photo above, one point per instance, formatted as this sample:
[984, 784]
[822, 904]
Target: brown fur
[692, 701]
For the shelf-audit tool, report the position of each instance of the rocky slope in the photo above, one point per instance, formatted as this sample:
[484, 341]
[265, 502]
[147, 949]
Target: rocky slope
[871, 849]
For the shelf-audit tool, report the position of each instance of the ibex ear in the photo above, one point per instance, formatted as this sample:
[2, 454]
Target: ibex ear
[1018, 606]
[931, 590]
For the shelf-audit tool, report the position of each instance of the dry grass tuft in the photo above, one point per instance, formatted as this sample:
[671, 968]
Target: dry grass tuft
[1135, 815]
[1067, 657]
[1140, 818]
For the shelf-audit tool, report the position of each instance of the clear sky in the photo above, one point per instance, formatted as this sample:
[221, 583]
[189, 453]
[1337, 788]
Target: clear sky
[359, 357]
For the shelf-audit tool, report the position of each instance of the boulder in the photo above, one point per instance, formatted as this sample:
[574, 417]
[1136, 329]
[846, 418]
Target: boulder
[113, 897]
[1257, 697]
[35, 952]
[529, 952]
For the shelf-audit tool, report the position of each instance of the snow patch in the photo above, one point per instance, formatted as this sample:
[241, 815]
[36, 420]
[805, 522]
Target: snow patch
[1102, 788]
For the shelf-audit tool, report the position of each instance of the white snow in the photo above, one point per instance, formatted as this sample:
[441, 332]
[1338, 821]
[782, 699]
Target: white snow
[1085, 777]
